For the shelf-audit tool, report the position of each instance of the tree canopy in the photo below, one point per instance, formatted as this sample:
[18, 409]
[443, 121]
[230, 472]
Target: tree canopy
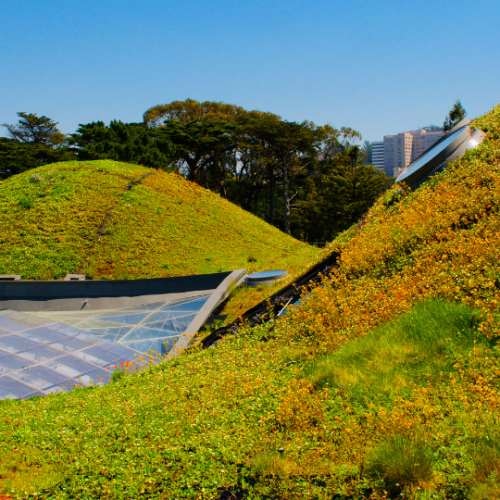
[191, 110]
[34, 141]
[128, 142]
[35, 129]
[456, 114]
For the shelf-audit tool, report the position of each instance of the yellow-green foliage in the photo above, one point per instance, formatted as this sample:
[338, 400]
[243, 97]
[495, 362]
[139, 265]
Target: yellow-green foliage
[441, 240]
[357, 393]
[152, 224]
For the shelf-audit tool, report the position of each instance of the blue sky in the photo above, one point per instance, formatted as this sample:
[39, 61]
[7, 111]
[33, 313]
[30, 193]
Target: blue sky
[378, 67]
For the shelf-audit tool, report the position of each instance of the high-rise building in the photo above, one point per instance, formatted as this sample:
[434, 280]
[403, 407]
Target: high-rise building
[378, 154]
[397, 153]
[423, 139]
[401, 149]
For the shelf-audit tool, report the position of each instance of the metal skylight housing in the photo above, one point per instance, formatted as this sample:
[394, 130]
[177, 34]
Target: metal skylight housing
[450, 146]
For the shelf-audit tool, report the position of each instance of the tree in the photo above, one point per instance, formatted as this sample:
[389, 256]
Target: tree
[200, 149]
[33, 129]
[340, 190]
[367, 149]
[34, 141]
[191, 110]
[128, 142]
[456, 114]
[287, 148]
[432, 128]
[16, 157]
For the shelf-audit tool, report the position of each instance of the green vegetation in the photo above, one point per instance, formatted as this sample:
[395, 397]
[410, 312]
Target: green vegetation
[297, 176]
[34, 141]
[456, 114]
[384, 383]
[121, 221]
[125, 142]
[401, 463]
[243, 418]
[414, 350]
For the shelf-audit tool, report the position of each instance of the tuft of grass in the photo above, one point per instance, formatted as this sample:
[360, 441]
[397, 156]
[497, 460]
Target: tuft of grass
[485, 448]
[272, 463]
[401, 462]
[118, 375]
[25, 203]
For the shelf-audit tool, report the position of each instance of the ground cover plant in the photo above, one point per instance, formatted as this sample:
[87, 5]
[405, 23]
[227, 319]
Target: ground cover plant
[384, 383]
[112, 220]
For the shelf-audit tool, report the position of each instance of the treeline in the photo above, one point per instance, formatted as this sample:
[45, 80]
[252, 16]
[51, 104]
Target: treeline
[311, 181]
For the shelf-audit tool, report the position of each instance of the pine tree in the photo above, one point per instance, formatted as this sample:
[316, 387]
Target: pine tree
[456, 114]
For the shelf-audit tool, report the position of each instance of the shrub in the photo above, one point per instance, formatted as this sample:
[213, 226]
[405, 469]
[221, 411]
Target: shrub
[25, 203]
[117, 375]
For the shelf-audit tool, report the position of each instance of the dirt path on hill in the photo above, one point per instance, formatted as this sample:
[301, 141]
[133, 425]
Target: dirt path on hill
[107, 218]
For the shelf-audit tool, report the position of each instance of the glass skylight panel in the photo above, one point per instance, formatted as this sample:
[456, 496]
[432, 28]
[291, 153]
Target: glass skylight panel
[97, 356]
[161, 326]
[7, 326]
[13, 389]
[144, 307]
[176, 325]
[184, 300]
[158, 316]
[69, 344]
[117, 350]
[88, 338]
[42, 360]
[142, 333]
[164, 318]
[90, 324]
[67, 330]
[70, 366]
[14, 343]
[41, 334]
[113, 334]
[183, 322]
[51, 351]
[12, 363]
[160, 346]
[40, 353]
[191, 306]
[22, 320]
[40, 377]
[127, 319]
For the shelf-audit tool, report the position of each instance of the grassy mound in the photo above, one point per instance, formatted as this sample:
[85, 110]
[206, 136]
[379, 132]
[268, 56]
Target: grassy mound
[114, 220]
[384, 383]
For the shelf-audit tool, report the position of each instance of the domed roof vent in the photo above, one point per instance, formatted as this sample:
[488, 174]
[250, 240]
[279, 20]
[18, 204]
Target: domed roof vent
[265, 278]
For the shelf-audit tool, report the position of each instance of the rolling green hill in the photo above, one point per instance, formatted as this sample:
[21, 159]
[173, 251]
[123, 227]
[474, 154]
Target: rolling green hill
[383, 383]
[112, 220]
